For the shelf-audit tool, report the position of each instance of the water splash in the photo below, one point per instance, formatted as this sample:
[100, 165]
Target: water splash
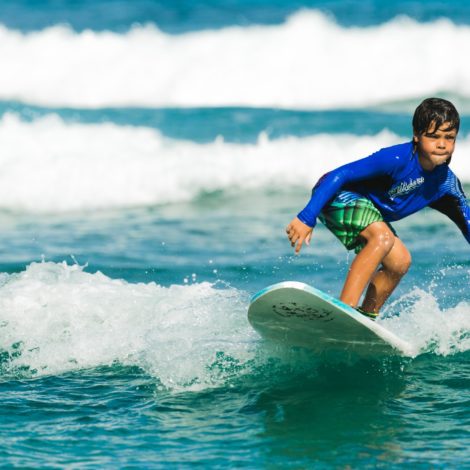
[58, 318]
[427, 326]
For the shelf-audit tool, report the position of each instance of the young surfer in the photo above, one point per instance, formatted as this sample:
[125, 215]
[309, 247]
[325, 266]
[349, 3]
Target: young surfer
[357, 202]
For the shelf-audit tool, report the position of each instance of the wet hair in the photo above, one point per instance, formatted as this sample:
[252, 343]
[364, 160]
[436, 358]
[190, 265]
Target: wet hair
[436, 112]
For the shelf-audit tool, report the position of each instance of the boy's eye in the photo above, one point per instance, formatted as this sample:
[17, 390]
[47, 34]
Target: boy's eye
[435, 136]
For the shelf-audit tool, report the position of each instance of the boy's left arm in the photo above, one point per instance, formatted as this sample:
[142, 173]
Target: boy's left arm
[455, 206]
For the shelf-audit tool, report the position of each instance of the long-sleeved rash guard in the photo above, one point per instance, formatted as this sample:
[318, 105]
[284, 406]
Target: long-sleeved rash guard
[396, 183]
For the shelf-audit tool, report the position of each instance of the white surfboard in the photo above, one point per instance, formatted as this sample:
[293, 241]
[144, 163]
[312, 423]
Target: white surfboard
[296, 314]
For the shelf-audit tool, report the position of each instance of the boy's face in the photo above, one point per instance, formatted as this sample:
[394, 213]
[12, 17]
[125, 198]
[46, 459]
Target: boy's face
[435, 146]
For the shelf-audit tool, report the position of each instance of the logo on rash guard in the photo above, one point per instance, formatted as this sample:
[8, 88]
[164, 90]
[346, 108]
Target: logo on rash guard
[405, 187]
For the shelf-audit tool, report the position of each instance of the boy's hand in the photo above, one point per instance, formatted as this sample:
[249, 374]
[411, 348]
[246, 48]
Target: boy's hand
[298, 233]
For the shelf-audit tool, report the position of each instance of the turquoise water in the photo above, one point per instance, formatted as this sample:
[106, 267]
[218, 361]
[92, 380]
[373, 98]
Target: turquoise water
[149, 166]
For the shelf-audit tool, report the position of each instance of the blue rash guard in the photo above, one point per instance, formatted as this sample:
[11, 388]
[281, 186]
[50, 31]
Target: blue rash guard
[397, 184]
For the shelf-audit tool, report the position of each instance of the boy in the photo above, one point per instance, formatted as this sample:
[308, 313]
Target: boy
[358, 200]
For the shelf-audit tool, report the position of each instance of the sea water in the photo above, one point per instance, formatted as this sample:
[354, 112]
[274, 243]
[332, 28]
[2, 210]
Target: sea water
[151, 155]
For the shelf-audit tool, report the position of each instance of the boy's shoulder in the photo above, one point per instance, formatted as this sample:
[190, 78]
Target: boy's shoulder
[400, 151]
[395, 158]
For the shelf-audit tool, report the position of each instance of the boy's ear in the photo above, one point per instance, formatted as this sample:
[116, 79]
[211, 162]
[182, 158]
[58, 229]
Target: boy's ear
[415, 138]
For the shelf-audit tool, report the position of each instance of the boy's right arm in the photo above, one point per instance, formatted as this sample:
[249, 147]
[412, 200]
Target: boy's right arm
[298, 233]
[383, 162]
[377, 164]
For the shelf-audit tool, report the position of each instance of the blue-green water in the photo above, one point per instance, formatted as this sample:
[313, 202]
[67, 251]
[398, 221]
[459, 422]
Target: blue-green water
[151, 154]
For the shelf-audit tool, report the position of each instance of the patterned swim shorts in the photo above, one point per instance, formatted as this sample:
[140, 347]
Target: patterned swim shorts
[347, 215]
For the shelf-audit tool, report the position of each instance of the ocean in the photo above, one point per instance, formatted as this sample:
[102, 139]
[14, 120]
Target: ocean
[151, 154]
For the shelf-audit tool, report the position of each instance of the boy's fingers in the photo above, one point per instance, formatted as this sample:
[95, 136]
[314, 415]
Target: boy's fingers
[297, 237]
[293, 236]
[299, 246]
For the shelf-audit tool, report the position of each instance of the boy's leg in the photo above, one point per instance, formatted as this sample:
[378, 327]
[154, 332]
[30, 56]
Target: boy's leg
[394, 266]
[379, 243]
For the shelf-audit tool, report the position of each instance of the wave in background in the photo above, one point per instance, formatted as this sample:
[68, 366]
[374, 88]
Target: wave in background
[188, 15]
[49, 165]
[57, 318]
[309, 62]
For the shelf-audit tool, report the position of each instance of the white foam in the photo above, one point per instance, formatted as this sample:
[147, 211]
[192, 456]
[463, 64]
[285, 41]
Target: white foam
[307, 62]
[49, 165]
[57, 318]
[427, 326]
[62, 319]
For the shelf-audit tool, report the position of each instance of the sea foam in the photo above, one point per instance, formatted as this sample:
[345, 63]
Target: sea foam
[419, 319]
[56, 318]
[49, 165]
[308, 62]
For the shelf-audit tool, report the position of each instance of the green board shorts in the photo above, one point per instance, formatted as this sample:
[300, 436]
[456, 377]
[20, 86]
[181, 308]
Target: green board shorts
[347, 215]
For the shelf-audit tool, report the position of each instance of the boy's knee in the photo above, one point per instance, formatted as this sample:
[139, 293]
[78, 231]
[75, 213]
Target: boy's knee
[398, 262]
[404, 263]
[379, 235]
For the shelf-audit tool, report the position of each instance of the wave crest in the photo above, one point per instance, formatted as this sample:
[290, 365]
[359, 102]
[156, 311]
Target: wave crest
[309, 62]
[49, 165]
[58, 318]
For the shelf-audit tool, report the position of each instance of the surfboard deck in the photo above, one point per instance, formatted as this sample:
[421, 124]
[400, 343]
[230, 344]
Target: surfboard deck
[296, 314]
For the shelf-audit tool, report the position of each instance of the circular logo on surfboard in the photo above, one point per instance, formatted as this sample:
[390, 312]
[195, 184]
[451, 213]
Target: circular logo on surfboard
[306, 312]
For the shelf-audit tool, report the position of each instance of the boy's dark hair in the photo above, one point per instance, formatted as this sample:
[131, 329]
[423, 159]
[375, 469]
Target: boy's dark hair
[436, 111]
